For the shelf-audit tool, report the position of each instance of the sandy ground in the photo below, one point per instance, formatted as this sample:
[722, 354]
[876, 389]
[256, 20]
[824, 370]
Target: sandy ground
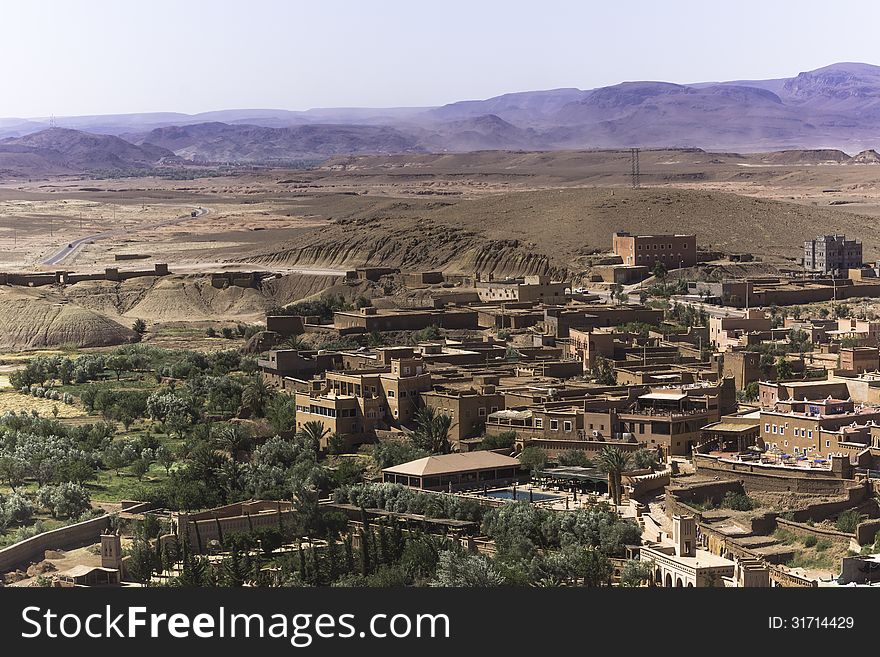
[17, 402]
[255, 212]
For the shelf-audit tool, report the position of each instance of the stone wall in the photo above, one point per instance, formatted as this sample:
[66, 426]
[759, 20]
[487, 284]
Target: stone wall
[819, 482]
[867, 530]
[818, 532]
[643, 484]
[702, 492]
[73, 536]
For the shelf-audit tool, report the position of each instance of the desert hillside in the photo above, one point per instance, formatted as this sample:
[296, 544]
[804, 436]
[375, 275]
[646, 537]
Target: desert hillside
[549, 230]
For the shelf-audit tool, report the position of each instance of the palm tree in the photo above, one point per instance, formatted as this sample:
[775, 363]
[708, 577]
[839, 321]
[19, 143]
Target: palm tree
[255, 396]
[615, 462]
[295, 342]
[314, 433]
[281, 412]
[432, 431]
[233, 438]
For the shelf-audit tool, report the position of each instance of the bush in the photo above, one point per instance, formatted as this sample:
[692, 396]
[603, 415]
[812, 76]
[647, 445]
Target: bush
[848, 521]
[15, 509]
[574, 457]
[737, 501]
[810, 540]
[502, 440]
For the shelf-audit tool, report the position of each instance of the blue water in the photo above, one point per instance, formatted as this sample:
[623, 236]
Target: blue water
[521, 495]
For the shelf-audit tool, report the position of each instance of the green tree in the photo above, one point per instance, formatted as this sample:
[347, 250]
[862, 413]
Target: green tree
[140, 467]
[614, 462]
[603, 371]
[533, 459]
[636, 573]
[119, 364]
[644, 458]
[139, 326]
[314, 433]
[574, 457]
[281, 413]
[13, 471]
[165, 458]
[388, 453]
[659, 270]
[255, 396]
[432, 431]
[459, 569]
[503, 440]
[783, 369]
[336, 444]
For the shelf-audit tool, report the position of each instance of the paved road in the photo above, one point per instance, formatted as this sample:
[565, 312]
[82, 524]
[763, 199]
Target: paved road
[73, 246]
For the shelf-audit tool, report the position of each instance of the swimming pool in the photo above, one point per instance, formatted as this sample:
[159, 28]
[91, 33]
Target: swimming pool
[522, 495]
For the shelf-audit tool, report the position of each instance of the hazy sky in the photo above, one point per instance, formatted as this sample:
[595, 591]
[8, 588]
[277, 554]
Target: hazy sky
[67, 57]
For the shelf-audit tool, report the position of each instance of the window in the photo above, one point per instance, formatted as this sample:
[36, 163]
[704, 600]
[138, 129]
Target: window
[786, 443]
[539, 423]
[391, 393]
[481, 411]
[827, 443]
[403, 393]
[774, 429]
[641, 427]
[406, 371]
[494, 409]
[781, 431]
[554, 425]
[566, 426]
[810, 434]
[767, 428]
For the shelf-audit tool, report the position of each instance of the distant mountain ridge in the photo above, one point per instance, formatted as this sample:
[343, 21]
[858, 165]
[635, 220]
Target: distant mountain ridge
[834, 107]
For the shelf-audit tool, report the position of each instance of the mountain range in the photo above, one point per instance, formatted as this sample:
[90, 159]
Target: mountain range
[835, 107]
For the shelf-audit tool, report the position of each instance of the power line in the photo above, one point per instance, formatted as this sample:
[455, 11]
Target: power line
[634, 165]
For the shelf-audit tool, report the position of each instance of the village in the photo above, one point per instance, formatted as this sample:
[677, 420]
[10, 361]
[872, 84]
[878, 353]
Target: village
[725, 434]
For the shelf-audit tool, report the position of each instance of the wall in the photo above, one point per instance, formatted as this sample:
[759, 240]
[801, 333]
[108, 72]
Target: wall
[819, 532]
[820, 482]
[64, 538]
[201, 532]
[867, 530]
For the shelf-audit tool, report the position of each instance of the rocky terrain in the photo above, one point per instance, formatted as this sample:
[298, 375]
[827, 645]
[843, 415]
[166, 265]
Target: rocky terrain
[60, 150]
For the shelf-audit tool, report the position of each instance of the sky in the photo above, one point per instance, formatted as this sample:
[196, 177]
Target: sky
[74, 57]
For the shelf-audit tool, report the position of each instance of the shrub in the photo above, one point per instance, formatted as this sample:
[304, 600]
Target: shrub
[848, 521]
[810, 540]
[737, 501]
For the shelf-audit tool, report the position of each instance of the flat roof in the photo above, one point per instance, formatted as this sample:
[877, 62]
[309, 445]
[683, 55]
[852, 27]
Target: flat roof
[453, 463]
[667, 396]
[730, 427]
